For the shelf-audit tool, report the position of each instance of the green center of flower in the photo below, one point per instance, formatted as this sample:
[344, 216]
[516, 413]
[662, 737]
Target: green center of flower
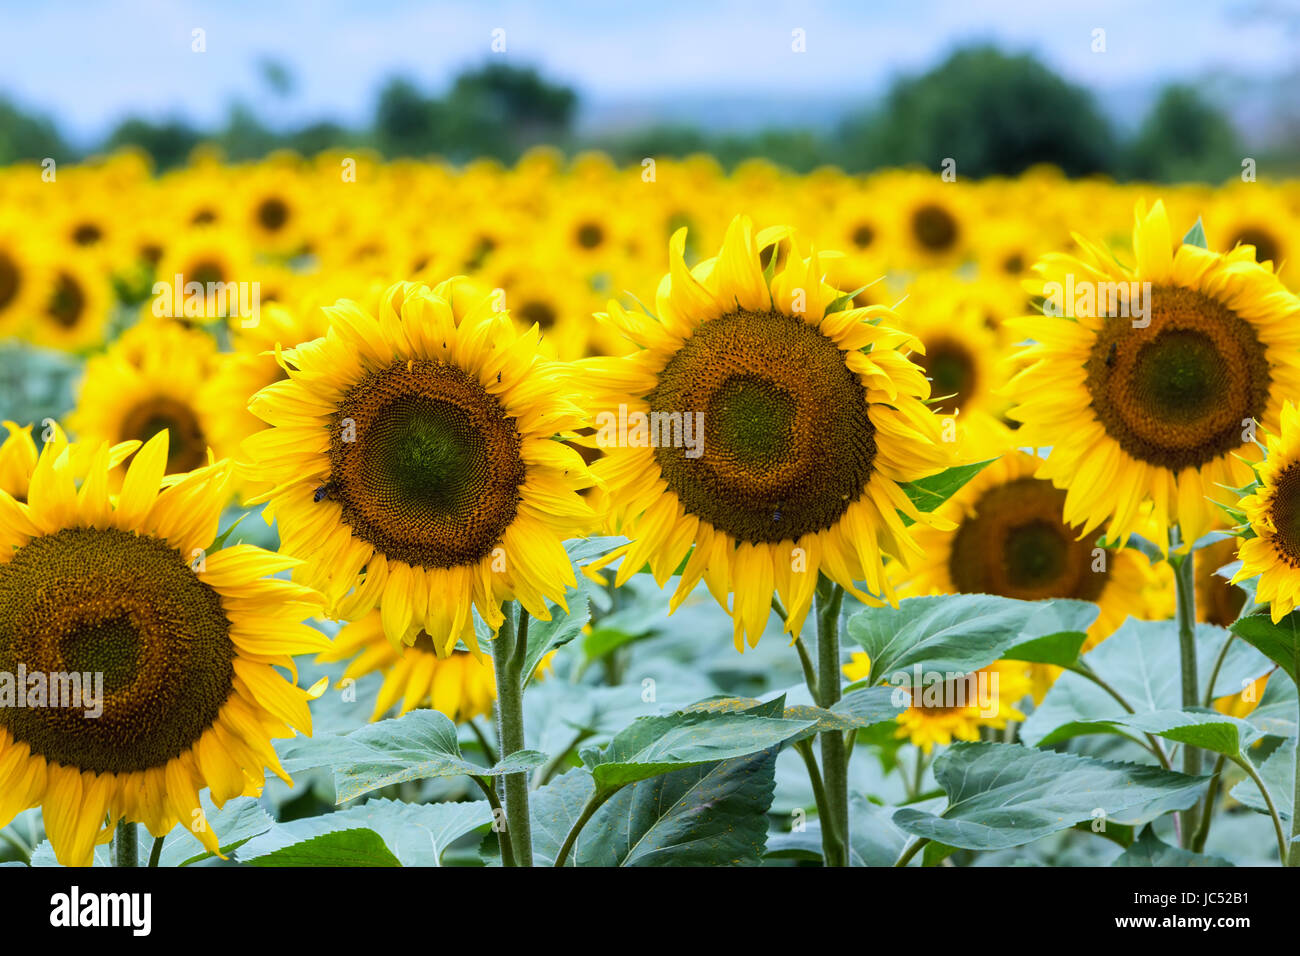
[787, 444]
[1177, 391]
[87, 612]
[1015, 544]
[426, 464]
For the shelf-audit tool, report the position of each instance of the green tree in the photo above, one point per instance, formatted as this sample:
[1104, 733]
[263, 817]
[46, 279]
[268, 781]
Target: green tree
[24, 136]
[994, 114]
[168, 143]
[1184, 138]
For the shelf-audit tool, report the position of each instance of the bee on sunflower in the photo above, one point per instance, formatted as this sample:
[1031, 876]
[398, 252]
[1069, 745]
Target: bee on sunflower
[412, 465]
[810, 417]
[187, 642]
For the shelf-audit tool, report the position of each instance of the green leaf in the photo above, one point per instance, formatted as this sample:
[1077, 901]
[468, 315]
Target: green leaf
[415, 746]
[929, 493]
[1005, 795]
[417, 834]
[957, 633]
[1200, 728]
[1196, 236]
[1149, 850]
[546, 636]
[1061, 649]
[1140, 662]
[707, 815]
[339, 848]
[655, 745]
[1277, 641]
[861, 707]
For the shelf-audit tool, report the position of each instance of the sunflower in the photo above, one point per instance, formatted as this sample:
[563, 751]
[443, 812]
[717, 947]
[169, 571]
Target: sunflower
[459, 684]
[1270, 546]
[275, 209]
[237, 376]
[186, 643]
[1151, 397]
[1009, 537]
[801, 435]
[148, 381]
[218, 260]
[19, 454]
[958, 708]
[75, 310]
[933, 221]
[23, 278]
[961, 351]
[413, 466]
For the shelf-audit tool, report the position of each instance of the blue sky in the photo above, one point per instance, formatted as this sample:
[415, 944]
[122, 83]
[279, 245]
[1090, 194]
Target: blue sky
[89, 64]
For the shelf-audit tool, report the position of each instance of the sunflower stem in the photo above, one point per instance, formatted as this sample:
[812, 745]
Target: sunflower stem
[126, 843]
[508, 652]
[830, 598]
[1244, 763]
[155, 854]
[1185, 587]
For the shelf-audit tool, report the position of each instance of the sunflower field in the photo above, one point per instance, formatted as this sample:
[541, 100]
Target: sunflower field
[575, 514]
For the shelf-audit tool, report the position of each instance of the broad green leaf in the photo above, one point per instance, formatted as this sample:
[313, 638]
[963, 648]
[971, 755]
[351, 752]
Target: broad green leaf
[1061, 649]
[340, 848]
[1206, 729]
[1140, 662]
[1275, 641]
[417, 834]
[1149, 850]
[859, 708]
[546, 636]
[655, 745]
[708, 815]
[957, 633]
[415, 746]
[1004, 795]
[929, 493]
[554, 809]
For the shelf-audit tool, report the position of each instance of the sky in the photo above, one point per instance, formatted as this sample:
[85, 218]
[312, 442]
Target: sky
[90, 64]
